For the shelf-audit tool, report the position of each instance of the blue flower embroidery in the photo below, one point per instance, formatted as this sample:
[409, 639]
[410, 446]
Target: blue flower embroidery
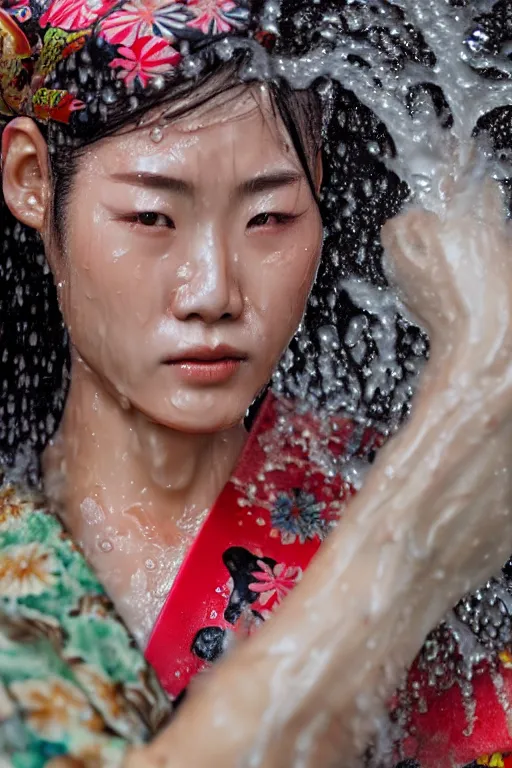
[299, 515]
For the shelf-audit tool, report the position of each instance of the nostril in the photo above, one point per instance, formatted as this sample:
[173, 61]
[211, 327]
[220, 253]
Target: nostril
[227, 316]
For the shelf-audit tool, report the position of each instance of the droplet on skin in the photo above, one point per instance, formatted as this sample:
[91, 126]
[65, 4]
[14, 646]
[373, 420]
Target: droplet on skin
[156, 135]
[184, 272]
[106, 546]
[92, 513]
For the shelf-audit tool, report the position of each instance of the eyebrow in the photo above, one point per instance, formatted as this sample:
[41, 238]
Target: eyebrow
[155, 181]
[266, 182]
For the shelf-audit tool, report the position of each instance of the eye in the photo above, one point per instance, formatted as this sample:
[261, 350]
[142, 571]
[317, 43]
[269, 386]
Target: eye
[153, 219]
[270, 219]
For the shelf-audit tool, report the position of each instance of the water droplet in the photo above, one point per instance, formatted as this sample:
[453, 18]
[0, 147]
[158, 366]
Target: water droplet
[91, 511]
[158, 82]
[106, 546]
[156, 134]
[108, 95]
[328, 337]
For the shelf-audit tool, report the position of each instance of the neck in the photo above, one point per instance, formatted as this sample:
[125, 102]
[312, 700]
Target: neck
[113, 458]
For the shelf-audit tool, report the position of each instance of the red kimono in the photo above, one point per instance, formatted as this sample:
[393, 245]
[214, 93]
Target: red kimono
[254, 546]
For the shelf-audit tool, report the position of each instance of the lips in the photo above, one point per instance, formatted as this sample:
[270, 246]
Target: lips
[207, 355]
[208, 366]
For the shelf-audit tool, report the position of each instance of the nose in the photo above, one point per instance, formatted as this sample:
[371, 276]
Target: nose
[209, 289]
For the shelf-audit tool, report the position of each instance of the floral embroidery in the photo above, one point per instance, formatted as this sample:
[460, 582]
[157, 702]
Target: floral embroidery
[216, 17]
[75, 14]
[143, 18]
[55, 105]
[11, 506]
[57, 46]
[138, 33]
[299, 516]
[104, 694]
[494, 761]
[26, 569]
[274, 582]
[506, 659]
[72, 682]
[54, 706]
[147, 57]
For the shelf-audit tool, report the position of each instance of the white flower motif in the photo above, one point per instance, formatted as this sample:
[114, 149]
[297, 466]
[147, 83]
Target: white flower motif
[26, 569]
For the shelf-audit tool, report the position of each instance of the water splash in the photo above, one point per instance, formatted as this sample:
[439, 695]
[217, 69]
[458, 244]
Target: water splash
[431, 76]
[400, 94]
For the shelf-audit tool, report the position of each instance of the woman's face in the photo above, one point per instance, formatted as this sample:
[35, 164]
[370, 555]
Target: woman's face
[189, 253]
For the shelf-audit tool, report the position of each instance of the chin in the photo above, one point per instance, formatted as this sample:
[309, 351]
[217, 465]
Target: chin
[193, 425]
[204, 410]
[195, 421]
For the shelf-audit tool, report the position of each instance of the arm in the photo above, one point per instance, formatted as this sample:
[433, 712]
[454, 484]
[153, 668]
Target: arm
[430, 523]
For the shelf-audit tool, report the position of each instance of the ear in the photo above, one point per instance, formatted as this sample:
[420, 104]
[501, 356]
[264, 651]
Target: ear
[319, 172]
[25, 178]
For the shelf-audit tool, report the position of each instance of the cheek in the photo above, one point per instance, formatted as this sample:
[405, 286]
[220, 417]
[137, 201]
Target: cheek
[284, 284]
[106, 279]
[108, 295]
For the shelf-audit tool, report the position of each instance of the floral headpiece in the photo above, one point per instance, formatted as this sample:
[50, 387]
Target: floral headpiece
[139, 41]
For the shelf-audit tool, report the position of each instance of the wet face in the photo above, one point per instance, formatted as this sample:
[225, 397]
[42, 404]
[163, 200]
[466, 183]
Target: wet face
[190, 250]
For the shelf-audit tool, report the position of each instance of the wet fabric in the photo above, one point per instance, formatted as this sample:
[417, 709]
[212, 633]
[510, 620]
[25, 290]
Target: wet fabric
[72, 681]
[256, 542]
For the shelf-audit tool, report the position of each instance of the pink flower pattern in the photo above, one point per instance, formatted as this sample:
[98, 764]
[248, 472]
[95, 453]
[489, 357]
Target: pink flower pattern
[73, 15]
[143, 18]
[274, 582]
[211, 16]
[140, 35]
[147, 57]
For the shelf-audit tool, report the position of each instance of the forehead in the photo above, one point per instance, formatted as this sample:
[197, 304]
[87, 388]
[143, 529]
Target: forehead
[238, 132]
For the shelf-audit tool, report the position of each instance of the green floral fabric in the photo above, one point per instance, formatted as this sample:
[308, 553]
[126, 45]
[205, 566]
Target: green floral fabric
[72, 681]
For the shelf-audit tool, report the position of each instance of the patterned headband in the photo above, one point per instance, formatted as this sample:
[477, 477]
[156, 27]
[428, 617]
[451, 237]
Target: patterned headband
[139, 42]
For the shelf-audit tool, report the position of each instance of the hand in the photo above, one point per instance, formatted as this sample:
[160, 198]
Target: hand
[456, 276]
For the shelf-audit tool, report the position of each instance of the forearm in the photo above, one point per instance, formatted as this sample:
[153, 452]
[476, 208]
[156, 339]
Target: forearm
[311, 667]
[314, 680]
